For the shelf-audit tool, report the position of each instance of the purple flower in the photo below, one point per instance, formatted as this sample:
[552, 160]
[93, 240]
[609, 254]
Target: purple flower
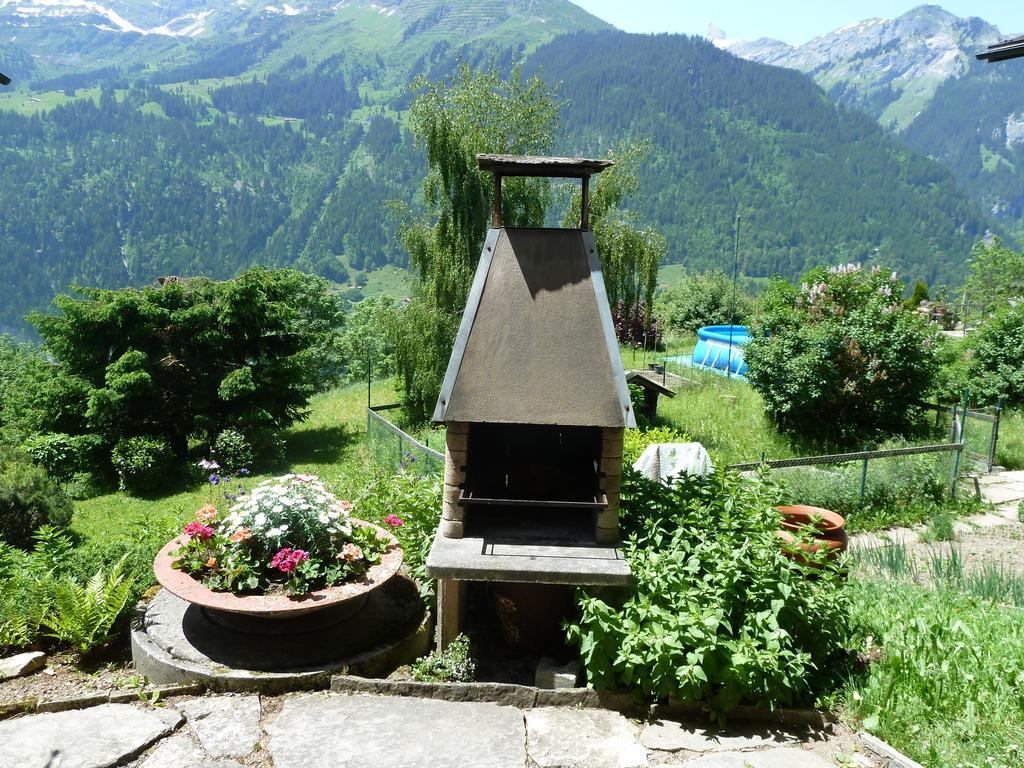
[243, 472]
[214, 479]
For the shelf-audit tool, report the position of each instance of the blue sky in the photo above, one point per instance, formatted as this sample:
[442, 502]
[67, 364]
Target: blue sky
[794, 21]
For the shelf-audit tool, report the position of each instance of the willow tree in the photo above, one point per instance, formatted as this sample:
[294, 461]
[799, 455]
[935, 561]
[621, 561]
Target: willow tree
[453, 120]
[630, 254]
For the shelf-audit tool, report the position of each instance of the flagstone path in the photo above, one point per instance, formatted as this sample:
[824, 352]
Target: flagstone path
[333, 730]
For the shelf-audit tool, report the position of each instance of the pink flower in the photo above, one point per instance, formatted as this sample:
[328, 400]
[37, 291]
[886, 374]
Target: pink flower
[287, 560]
[351, 552]
[197, 530]
[394, 521]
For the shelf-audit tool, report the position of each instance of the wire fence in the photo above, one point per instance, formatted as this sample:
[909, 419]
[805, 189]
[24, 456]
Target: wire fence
[391, 447]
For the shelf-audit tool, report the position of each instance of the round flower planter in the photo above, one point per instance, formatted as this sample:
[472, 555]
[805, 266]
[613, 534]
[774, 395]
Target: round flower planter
[830, 530]
[278, 606]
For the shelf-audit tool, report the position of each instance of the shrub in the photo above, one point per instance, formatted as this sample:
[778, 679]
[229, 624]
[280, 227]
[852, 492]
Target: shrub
[63, 455]
[142, 463]
[232, 451]
[717, 615]
[54, 589]
[702, 299]
[636, 440]
[996, 364]
[839, 359]
[29, 499]
[453, 665]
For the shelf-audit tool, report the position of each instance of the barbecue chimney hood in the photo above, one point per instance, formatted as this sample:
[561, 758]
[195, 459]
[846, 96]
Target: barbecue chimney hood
[537, 343]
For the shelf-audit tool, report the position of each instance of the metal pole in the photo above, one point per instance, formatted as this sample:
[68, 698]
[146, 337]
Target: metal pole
[732, 309]
[995, 434]
[864, 475]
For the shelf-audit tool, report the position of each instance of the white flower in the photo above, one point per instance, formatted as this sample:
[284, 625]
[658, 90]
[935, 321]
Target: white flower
[260, 520]
[277, 508]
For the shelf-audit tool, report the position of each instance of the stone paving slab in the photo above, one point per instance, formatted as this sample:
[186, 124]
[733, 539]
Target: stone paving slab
[227, 726]
[1002, 493]
[582, 738]
[340, 731]
[178, 751]
[97, 737]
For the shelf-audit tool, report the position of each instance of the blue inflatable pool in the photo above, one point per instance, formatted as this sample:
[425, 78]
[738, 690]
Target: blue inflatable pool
[720, 347]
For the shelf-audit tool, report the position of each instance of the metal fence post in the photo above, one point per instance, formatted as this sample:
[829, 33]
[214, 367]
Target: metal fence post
[994, 440]
[864, 475]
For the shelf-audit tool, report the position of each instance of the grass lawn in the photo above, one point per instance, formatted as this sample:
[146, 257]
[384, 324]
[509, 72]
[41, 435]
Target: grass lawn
[329, 443]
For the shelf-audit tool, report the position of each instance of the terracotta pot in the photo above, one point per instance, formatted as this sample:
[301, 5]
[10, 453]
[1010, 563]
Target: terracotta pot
[830, 531]
[277, 606]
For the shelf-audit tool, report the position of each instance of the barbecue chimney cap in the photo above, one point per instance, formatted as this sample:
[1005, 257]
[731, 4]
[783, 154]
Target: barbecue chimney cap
[531, 165]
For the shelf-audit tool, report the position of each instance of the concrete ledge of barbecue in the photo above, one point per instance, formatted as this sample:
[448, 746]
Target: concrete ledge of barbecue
[886, 751]
[477, 559]
[521, 696]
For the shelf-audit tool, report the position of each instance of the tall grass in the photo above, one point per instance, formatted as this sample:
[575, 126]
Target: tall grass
[943, 568]
[726, 416]
[1010, 448]
[946, 688]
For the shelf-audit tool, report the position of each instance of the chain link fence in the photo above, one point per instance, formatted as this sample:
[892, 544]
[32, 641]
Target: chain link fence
[391, 447]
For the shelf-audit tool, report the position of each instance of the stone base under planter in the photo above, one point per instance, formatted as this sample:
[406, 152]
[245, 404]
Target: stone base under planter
[174, 641]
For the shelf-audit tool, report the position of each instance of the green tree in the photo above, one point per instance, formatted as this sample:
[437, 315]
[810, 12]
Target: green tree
[996, 362]
[996, 275]
[192, 357]
[702, 299]
[454, 120]
[838, 359]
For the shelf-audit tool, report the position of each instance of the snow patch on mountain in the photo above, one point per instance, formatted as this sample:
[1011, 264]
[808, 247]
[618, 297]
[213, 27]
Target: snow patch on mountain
[1014, 129]
[186, 25]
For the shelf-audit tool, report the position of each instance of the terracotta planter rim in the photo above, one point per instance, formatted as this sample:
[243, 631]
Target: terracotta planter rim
[797, 515]
[191, 590]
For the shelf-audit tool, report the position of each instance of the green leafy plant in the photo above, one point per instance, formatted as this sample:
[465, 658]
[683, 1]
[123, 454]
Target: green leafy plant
[718, 615]
[29, 499]
[940, 526]
[411, 507]
[83, 615]
[943, 684]
[454, 664]
[996, 363]
[142, 463]
[232, 451]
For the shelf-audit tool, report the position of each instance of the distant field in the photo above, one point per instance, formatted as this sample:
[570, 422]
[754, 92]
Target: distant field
[389, 281]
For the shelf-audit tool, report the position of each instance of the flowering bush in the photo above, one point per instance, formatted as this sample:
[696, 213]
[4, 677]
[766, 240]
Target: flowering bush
[289, 533]
[839, 358]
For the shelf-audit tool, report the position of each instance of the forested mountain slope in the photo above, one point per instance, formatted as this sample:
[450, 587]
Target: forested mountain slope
[814, 183]
[278, 138]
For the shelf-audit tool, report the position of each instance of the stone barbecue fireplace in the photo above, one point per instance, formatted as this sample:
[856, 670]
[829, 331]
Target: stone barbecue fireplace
[535, 403]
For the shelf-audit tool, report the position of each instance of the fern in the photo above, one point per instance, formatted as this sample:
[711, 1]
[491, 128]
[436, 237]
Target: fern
[84, 616]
